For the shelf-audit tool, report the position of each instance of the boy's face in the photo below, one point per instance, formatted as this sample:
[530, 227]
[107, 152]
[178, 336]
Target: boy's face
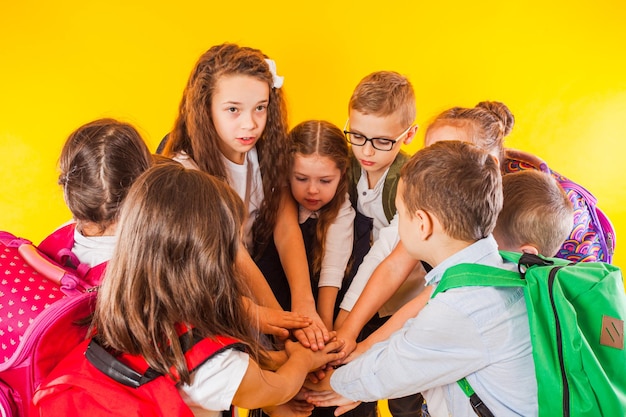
[374, 161]
[407, 224]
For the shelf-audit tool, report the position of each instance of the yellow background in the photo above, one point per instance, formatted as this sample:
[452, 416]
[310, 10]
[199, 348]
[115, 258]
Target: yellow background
[559, 65]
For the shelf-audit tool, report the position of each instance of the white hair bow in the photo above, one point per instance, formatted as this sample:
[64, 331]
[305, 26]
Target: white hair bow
[278, 80]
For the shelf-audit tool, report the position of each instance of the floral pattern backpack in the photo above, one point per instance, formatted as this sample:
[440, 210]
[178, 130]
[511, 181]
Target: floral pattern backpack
[593, 236]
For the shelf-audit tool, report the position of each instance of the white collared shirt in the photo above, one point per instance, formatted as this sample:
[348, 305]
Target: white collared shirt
[480, 333]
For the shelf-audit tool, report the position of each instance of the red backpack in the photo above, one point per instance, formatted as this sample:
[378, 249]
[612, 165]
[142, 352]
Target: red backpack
[41, 297]
[91, 381]
[593, 236]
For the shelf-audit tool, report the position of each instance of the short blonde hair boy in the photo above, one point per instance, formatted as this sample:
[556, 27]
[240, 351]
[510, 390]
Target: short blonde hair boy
[384, 93]
[536, 212]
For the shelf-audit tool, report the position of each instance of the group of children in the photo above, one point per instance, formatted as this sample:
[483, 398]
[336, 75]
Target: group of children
[309, 251]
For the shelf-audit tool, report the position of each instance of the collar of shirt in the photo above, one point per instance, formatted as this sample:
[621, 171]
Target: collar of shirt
[304, 214]
[483, 251]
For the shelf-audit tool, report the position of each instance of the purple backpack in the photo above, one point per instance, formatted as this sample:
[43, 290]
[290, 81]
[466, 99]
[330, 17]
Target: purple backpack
[44, 290]
[593, 236]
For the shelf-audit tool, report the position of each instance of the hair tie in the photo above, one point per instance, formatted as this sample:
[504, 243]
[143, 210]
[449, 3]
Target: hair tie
[278, 80]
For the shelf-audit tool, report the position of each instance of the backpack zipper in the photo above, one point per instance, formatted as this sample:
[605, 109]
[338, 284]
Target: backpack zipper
[559, 340]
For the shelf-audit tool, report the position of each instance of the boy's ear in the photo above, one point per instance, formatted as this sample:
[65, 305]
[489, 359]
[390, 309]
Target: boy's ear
[529, 249]
[425, 228]
[410, 135]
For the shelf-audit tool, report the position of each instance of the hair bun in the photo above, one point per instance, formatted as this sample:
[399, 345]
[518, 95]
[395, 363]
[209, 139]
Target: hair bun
[502, 112]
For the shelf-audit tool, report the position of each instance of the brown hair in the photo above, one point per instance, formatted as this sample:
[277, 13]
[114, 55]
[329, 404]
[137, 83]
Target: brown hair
[172, 265]
[536, 212]
[487, 124]
[459, 183]
[325, 139]
[195, 134]
[99, 162]
[384, 93]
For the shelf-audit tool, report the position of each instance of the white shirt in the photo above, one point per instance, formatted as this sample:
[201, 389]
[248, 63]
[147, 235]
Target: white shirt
[214, 384]
[244, 179]
[93, 250]
[480, 333]
[387, 240]
[339, 240]
[370, 202]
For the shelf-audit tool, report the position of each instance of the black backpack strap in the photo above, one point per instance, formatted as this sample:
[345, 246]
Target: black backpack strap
[111, 366]
[108, 364]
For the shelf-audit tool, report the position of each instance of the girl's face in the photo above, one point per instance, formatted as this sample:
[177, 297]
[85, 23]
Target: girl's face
[314, 180]
[443, 132]
[239, 112]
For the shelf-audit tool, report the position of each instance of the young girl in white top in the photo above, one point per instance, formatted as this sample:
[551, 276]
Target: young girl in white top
[232, 124]
[171, 215]
[319, 156]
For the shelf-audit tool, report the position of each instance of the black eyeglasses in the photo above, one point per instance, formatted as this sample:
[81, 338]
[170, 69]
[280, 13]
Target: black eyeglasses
[380, 144]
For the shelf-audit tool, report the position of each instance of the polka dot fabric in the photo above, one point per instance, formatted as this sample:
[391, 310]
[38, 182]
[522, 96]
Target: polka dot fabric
[23, 295]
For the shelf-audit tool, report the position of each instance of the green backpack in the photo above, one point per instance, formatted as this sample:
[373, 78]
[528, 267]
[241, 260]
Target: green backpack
[576, 313]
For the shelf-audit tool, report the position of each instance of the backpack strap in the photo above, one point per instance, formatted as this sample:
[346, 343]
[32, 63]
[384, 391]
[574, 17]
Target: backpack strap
[197, 351]
[476, 275]
[473, 275]
[390, 187]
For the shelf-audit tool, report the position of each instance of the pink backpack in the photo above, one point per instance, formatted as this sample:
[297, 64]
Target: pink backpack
[42, 293]
[593, 236]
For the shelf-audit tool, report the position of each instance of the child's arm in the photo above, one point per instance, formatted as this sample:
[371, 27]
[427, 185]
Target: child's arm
[326, 298]
[290, 247]
[337, 252]
[260, 388]
[255, 279]
[399, 318]
[384, 282]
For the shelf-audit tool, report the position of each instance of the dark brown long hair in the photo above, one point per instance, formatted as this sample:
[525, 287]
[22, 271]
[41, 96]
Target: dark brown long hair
[324, 139]
[195, 134]
[174, 263]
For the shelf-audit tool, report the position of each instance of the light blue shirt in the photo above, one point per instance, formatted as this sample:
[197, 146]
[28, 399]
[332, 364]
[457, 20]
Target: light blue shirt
[480, 333]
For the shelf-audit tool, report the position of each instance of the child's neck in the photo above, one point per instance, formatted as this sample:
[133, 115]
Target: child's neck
[373, 178]
[444, 247]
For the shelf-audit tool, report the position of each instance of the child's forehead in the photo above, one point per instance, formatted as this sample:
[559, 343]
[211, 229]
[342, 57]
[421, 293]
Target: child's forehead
[373, 125]
[444, 132]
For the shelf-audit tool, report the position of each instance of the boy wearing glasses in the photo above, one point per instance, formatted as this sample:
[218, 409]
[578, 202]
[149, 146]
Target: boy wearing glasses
[381, 118]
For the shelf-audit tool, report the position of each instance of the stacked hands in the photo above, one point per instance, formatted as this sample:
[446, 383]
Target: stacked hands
[324, 351]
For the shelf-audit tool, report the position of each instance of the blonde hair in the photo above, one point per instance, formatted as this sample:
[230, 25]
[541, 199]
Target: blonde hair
[536, 212]
[487, 124]
[173, 266]
[325, 139]
[459, 183]
[195, 134]
[384, 93]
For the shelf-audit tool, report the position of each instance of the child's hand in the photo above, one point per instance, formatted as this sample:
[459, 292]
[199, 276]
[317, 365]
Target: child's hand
[319, 384]
[276, 322]
[349, 346]
[316, 334]
[296, 407]
[317, 359]
[330, 398]
[358, 351]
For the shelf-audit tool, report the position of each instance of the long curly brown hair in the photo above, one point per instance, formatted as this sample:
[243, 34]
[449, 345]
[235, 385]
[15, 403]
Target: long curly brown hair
[194, 131]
